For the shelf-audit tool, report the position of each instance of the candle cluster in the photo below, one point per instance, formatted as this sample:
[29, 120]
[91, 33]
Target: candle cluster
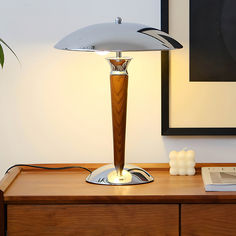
[182, 163]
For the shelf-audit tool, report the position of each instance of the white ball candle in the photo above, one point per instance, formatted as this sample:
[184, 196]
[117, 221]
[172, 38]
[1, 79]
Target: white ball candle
[182, 162]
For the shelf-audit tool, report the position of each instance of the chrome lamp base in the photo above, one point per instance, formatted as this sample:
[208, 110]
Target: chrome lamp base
[107, 175]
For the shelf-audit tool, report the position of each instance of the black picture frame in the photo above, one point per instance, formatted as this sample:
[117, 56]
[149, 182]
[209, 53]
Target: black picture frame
[165, 125]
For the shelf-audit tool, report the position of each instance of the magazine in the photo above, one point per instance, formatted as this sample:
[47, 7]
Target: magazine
[219, 178]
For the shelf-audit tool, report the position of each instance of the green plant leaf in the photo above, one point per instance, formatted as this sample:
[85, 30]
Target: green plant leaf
[1, 56]
[1, 41]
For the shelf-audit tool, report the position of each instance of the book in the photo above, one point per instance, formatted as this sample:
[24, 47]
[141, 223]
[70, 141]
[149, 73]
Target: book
[219, 178]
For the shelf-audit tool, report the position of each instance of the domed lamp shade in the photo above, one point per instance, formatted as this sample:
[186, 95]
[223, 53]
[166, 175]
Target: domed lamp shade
[118, 37]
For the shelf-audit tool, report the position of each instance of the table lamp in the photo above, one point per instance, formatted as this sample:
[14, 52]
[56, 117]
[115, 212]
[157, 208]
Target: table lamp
[118, 37]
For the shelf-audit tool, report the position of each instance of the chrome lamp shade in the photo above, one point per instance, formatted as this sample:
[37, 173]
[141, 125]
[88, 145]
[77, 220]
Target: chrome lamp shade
[118, 37]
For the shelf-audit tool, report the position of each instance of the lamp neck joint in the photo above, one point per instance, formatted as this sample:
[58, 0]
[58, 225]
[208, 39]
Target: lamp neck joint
[119, 65]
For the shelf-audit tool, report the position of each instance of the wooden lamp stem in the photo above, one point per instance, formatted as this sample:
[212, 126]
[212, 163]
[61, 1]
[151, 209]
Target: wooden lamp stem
[119, 86]
[119, 91]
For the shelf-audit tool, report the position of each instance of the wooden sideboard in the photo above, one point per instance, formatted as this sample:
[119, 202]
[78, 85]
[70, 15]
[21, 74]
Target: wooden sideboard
[49, 202]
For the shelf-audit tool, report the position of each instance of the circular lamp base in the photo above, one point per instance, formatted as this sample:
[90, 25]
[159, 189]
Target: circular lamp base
[107, 175]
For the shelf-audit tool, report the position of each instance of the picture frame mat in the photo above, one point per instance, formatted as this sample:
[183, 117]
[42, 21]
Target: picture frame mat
[193, 106]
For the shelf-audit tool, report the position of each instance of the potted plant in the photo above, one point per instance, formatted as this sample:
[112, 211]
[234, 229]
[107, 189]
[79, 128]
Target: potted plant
[2, 58]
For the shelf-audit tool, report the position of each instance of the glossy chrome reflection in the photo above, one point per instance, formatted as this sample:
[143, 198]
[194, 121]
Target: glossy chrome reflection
[118, 37]
[107, 175]
[116, 178]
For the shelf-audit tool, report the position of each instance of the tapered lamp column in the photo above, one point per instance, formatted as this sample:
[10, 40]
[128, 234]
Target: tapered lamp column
[119, 90]
[119, 173]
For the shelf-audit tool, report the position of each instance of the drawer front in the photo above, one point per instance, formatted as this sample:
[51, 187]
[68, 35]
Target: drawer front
[93, 219]
[208, 219]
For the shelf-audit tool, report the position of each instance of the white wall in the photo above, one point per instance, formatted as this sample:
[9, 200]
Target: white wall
[56, 106]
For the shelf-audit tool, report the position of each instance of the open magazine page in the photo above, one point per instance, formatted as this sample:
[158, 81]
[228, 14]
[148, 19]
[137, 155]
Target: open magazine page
[223, 177]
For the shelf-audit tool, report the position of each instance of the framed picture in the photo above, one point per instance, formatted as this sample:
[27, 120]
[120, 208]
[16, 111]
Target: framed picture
[199, 81]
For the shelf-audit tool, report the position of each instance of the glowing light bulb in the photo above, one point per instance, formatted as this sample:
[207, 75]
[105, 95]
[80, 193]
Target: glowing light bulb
[102, 53]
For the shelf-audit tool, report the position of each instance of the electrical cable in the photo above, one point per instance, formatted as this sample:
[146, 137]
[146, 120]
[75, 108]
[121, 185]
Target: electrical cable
[49, 168]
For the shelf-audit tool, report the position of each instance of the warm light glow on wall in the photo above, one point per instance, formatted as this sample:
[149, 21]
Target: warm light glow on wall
[61, 108]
